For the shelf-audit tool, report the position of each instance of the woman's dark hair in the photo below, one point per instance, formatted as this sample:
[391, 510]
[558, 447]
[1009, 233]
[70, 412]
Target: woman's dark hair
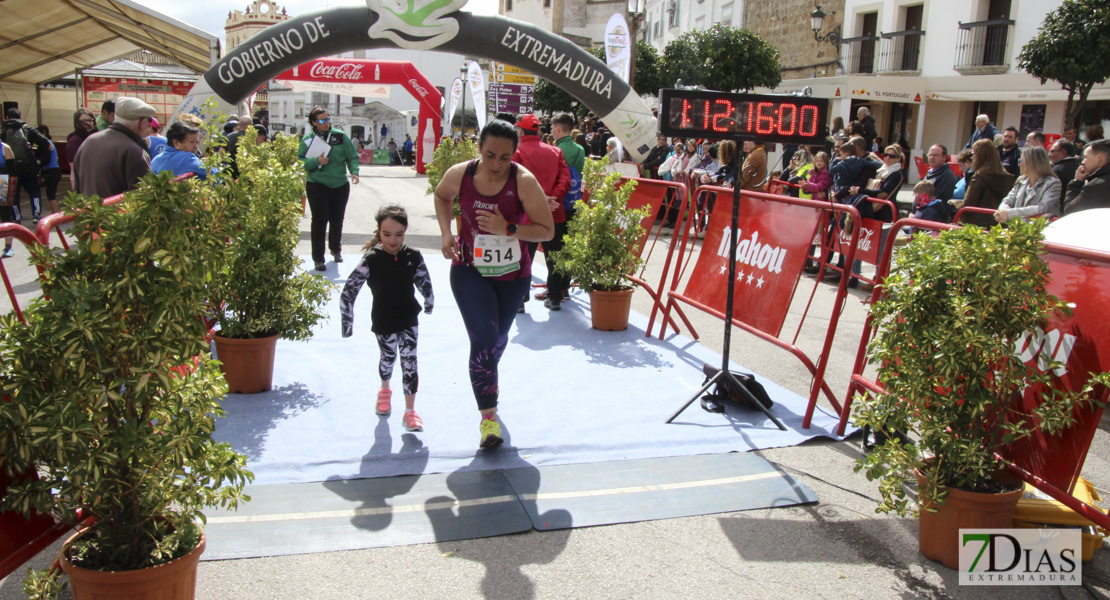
[178, 131]
[390, 211]
[501, 129]
[315, 111]
[81, 112]
[44, 130]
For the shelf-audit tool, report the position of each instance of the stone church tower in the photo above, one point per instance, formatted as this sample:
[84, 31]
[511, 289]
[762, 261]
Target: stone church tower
[242, 26]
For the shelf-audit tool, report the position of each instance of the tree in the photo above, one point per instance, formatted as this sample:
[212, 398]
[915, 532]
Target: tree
[1070, 48]
[647, 78]
[721, 58]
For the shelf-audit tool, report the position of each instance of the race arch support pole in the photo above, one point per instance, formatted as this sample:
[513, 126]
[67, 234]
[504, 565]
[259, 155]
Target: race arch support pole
[429, 25]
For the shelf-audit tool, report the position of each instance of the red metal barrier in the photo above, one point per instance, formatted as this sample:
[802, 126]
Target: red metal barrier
[775, 233]
[14, 231]
[1081, 342]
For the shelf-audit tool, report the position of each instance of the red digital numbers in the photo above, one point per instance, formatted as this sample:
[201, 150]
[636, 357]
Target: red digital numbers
[766, 117]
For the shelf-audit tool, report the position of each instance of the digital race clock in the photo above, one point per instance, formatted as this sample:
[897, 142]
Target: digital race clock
[760, 117]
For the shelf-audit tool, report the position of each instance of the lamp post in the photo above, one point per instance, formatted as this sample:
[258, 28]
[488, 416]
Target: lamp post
[833, 37]
[462, 118]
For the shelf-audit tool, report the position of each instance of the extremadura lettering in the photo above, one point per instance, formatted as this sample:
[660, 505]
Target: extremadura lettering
[599, 82]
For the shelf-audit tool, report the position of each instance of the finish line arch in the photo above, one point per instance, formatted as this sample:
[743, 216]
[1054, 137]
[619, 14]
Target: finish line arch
[429, 25]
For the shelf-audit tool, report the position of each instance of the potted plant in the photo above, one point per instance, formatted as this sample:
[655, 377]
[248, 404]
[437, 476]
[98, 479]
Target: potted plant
[109, 397]
[952, 312]
[260, 292]
[600, 246]
[448, 154]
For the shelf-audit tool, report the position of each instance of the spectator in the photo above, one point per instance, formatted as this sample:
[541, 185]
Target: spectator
[1035, 139]
[394, 157]
[408, 150]
[1037, 191]
[232, 149]
[754, 172]
[549, 167]
[963, 160]
[877, 146]
[1091, 186]
[612, 154]
[580, 139]
[1065, 160]
[1009, 152]
[1094, 132]
[674, 155]
[84, 125]
[51, 170]
[31, 151]
[111, 162]
[245, 122]
[867, 123]
[656, 157]
[706, 173]
[990, 183]
[155, 142]
[689, 163]
[798, 172]
[983, 131]
[725, 176]
[890, 178]
[8, 214]
[940, 174]
[557, 282]
[837, 128]
[926, 205]
[820, 180]
[180, 154]
[850, 169]
[1071, 134]
[107, 115]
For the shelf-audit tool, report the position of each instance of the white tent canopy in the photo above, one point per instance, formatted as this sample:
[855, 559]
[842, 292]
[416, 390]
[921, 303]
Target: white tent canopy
[43, 40]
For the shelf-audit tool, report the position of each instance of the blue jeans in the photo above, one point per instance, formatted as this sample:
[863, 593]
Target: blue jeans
[488, 307]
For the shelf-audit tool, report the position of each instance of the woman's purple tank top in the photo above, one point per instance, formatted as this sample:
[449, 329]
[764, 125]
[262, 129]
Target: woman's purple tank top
[470, 201]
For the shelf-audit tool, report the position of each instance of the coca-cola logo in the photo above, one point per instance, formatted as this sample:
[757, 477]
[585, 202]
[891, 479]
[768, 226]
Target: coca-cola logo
[347, 71]
[420, 89]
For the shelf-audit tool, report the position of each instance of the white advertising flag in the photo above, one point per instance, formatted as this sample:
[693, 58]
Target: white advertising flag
[618, 46]
[456, 95]
[477, 84]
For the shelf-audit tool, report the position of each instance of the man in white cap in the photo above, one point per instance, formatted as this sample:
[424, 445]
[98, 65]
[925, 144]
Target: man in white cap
[111, 162]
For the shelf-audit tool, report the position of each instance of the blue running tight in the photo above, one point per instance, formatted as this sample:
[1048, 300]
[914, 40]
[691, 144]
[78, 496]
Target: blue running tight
[488, 307]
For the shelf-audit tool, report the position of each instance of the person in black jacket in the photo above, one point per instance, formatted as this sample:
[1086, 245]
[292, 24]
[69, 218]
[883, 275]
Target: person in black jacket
[1009, 152]
[656, 157]
[1065, 161]
[868, 124]
[1091, 186]
[391, 270]
[32, 151]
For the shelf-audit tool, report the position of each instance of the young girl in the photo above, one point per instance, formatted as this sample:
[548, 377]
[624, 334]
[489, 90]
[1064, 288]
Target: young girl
[391, 270]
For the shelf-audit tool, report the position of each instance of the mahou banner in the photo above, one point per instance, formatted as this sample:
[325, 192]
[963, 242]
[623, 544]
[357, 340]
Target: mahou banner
[773, 240]
[618, 44]
[477, 83]
[456, 96]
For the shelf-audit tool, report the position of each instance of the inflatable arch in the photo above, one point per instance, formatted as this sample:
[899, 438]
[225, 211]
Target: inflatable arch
[430, 25]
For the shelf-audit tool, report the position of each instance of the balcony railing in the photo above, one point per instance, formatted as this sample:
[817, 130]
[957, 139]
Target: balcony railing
[858, 54]
[984, 46]
[900, 52]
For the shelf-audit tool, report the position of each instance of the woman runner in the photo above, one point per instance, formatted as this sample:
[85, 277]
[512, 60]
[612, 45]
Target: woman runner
[490, 272]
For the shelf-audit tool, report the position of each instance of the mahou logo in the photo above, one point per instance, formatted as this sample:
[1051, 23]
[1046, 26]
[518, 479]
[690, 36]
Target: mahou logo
[347, 71]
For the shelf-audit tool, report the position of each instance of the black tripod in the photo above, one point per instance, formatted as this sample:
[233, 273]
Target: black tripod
[724, 375]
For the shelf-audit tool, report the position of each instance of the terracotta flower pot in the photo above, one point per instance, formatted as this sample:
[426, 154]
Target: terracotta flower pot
[175, 580]
[609, 310]
[939, 532]
[248, 365]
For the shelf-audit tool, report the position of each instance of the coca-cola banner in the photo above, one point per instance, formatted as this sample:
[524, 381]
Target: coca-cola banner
[867, 245]
[772, 242]
[430, 25]
[348, 76]
[1082, 343]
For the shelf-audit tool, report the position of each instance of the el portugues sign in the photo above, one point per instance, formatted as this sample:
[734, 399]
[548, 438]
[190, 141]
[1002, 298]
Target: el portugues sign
[430, 25]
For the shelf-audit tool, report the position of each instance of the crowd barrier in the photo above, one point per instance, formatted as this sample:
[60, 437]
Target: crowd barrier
[21, 538]
[774, 237]
[1081, 342]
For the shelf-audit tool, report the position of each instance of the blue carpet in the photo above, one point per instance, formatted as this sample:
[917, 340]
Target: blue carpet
[569, 394]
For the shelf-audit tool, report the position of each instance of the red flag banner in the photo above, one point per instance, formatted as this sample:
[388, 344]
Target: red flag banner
[772, 242]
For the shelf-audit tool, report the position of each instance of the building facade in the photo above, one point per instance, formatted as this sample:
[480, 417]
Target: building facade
[926, 69]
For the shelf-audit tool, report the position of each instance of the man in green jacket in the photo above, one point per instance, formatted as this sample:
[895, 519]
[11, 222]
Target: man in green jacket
[561, 126]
